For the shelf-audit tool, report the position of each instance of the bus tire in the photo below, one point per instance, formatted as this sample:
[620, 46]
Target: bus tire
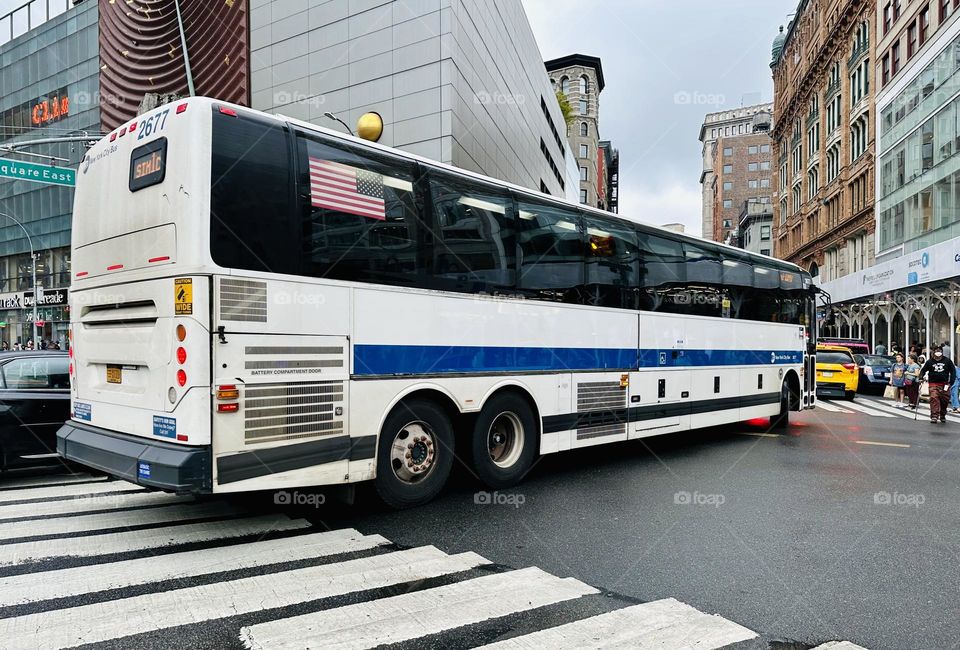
[414, 454]
[782, 419]
[504, 441]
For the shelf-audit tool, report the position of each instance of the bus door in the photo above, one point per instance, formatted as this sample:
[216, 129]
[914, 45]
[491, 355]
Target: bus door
[660, 396]
[280, 400]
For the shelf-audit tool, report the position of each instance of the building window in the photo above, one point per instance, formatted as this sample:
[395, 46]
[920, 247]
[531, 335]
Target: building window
[726, 130]
[727, 223]
[944, 10]
[764, 183]
[728, 203]
[765, 233]
[885, 67]
[584, 85]
[583, 174]
[911, 39]
[583, 107]
[764, 148]
[741, 128]
[752, 167]
[813, 181]
[727, 185]
[565, 85]
[765, 251]
[583, 151]
[753, 184]
[765, 166]
[887, 17]
[924, 24]
[896, 9]
[713, 134]
[584, 129]
[752, 150]
[894, 59]
[728, 169]
[727, 151]
[583, 196]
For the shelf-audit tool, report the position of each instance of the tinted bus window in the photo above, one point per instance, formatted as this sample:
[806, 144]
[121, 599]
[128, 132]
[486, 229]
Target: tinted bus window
[612, 264]
[362, 219]
[551, 250]
[662, 274]
[252, 217]
[475, 246]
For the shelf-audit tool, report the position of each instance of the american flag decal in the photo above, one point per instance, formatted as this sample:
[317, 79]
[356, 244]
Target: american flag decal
[343, 188]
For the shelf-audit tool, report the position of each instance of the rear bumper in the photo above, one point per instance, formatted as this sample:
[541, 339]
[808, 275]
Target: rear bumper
[151, 463]
[831, 390]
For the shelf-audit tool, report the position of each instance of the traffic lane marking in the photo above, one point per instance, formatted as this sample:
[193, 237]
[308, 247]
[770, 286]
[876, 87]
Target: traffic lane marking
[882, 444]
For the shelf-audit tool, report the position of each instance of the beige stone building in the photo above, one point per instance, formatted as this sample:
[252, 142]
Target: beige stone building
[823, 132]
[580, 78]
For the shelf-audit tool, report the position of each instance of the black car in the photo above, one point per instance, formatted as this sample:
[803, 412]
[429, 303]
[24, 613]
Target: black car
[874, 372]
[34, 403]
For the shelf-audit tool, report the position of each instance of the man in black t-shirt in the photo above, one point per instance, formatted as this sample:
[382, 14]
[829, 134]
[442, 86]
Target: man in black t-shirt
[941, 373]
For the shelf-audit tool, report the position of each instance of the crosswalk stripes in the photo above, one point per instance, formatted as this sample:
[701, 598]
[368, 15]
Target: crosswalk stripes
[829, 406]
[46, 480]
[867, 410]
[145, 570]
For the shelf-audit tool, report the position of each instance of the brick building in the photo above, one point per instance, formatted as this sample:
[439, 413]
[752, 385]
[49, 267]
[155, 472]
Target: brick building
[741, 174]
[823, 133]
[722, 124]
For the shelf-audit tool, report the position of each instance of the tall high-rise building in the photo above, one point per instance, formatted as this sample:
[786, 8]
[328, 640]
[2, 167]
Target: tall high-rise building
[579, 78]
[732, 123]
[823, 87]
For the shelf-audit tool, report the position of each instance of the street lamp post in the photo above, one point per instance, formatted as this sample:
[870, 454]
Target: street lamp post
[33, 266]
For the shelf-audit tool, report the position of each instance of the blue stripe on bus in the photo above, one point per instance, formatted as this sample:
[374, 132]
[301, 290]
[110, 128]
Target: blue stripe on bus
[441, 359]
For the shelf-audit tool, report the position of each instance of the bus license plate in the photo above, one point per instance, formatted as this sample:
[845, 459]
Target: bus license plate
[826, 373]
[114, 375]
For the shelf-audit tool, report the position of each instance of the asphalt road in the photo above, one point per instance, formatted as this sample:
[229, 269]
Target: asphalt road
[845, 527]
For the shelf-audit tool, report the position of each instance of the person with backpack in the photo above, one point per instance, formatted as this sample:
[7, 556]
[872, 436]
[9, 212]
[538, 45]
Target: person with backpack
[940, 372]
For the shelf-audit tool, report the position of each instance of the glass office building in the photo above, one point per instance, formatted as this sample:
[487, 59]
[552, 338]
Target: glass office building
[918, 193]
[49, 76]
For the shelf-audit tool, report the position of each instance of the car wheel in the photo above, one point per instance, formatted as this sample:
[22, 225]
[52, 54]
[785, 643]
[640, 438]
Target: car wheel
[504, 441]
[414, 454]
[851, 394]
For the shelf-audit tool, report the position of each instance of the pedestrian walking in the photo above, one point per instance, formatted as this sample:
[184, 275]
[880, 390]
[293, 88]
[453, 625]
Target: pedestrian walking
[911, 382]
[941, 373]
[880, 349]
[897, 379]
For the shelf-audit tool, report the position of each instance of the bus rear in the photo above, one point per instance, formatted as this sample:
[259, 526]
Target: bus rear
[140, 302]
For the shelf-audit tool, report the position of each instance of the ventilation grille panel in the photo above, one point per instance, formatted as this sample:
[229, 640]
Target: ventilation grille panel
[293, 411]
[600, 431]
[595, 398]
[243, 300]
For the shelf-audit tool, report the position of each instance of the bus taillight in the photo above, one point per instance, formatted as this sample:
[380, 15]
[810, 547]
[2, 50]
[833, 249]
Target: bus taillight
[227, 392]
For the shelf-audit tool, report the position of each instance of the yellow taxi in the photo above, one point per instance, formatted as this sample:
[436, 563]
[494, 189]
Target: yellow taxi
[837, 372]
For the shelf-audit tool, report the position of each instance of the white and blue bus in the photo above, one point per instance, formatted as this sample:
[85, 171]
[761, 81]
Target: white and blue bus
[259, 303]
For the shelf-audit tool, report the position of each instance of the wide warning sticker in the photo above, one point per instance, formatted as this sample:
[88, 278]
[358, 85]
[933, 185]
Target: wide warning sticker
[183, 296]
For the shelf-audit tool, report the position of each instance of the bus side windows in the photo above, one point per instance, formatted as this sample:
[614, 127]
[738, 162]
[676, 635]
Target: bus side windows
[612, 264]
[475, 246]
[362, 217]
[551, 252]
[663, 275]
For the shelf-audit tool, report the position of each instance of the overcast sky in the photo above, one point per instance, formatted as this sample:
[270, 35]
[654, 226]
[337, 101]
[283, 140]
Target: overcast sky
[666, 63]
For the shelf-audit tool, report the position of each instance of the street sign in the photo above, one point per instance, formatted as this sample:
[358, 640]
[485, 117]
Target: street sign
[24, 171]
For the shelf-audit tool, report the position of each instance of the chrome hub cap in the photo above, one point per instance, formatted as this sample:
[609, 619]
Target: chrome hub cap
[505, 439]
[413, 452]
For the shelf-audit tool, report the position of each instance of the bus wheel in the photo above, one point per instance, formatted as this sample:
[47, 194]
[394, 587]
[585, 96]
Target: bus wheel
[782, 419]
[414, 454]
[504, 441]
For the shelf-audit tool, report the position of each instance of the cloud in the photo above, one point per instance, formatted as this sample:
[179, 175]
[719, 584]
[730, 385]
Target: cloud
[675, 203]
